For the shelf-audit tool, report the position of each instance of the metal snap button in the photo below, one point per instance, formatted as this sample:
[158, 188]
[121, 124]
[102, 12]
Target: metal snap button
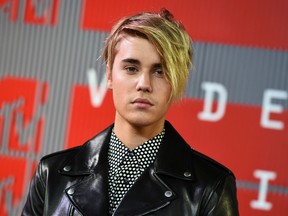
[67, 168]
[168, 194]
[126, 181]
[187, 174]
[71, 191]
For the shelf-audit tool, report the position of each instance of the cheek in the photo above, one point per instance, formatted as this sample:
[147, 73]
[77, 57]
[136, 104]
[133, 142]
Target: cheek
[119, 89]
[119, 86]
[118, 98]
[166, 89]
[124, 83]
[118, 78]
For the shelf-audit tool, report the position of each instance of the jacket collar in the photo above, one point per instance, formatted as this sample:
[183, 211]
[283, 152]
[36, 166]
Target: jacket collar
[89, 166]
[173, 159]
[91, 155]
[174, 156]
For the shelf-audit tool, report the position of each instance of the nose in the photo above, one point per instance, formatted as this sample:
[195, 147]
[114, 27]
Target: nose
[144, 83]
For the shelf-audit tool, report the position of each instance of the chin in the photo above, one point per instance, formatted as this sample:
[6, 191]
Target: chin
[145, 122]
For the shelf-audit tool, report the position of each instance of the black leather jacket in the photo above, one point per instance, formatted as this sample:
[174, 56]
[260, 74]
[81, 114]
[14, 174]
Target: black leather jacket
[180, 182]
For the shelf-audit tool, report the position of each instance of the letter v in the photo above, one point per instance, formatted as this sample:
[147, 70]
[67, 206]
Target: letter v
[97, 93]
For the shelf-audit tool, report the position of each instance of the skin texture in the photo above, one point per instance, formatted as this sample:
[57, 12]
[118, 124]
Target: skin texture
[141, 92]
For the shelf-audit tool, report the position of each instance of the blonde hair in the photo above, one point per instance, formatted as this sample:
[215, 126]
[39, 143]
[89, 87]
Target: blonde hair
[169, 38]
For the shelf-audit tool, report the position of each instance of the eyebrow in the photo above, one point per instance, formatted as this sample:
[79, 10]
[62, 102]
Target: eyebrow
[131, 60]
[137, 62]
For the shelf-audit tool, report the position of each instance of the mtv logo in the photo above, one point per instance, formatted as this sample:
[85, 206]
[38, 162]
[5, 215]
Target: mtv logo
[21, 127]
[14, 182]
[21, 118]
[35, 12]
[41, 12]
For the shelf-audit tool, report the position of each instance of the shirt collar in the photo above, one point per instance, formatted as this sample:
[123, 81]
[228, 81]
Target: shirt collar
[117, 150]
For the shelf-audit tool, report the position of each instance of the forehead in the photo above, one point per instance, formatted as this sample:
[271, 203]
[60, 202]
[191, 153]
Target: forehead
[136, 48]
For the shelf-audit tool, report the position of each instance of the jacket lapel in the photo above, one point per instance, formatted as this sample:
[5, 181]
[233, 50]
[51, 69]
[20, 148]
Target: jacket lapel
[174, 157]
[89, 194]
[150, 192]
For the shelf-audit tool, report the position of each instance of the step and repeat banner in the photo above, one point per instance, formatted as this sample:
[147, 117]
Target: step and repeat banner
[53, 95]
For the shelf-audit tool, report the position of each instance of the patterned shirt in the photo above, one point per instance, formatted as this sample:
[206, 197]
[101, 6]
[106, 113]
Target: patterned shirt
[126, 166]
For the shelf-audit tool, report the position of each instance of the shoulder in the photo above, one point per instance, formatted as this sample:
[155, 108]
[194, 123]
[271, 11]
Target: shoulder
[80, 154]
[58, 158]
[62, 153]
[207, 168]
[176, 147]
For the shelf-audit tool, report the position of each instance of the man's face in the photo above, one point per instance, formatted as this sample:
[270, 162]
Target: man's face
[141, 93]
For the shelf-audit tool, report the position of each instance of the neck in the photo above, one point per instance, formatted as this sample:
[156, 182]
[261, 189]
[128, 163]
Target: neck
[133, 136]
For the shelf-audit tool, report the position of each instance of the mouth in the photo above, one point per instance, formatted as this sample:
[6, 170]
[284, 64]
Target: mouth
[142, 103]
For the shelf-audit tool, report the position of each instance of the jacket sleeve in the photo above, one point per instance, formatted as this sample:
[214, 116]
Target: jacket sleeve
[36, 196]
[223, 198]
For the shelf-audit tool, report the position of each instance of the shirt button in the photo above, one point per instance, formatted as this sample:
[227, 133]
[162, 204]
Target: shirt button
[71, 191]
[126, 181]
[168, 194]
[131, 154]
[67, 168]
[187, 174]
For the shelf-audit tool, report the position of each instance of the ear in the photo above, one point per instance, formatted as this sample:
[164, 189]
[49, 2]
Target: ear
[109, 77]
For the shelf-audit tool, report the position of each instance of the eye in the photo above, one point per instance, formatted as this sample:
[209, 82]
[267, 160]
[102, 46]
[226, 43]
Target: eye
[159, 73]
[131, 69]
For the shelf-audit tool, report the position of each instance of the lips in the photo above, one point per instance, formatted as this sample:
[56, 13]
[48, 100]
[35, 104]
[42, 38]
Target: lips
[142, 102]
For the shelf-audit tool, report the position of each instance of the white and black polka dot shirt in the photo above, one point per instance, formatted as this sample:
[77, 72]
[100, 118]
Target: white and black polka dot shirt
[125, 166]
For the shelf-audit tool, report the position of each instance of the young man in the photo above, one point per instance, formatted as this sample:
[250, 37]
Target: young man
[140, 165]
